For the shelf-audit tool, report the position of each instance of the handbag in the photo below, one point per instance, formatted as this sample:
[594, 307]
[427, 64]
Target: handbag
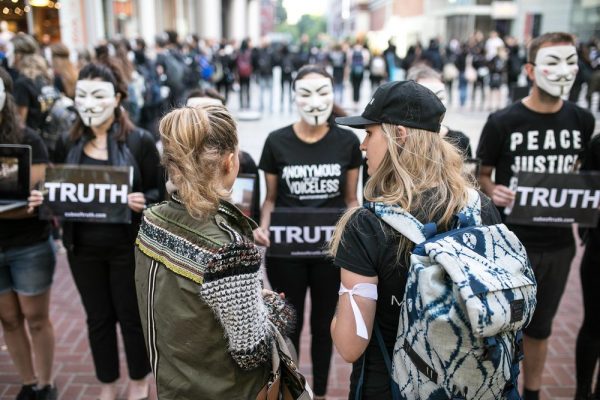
[286, 382]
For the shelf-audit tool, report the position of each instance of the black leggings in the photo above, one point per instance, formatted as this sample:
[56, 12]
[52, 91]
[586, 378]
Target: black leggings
[294, 277]
[105, 280]
[588, 341]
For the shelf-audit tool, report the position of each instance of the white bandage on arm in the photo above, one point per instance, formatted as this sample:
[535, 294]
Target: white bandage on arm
[366, 290]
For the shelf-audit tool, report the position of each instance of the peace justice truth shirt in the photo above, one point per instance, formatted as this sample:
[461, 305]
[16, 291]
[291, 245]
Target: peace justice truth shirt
[310, 174]
[518, 139]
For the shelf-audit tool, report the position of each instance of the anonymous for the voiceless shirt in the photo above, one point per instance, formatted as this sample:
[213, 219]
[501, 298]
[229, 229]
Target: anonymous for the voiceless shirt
[310, 174]
[518, 139]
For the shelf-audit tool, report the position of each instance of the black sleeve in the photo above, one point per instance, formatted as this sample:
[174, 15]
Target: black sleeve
[491, 143]
[489, 212]
[267, 160]
[39, 153]
[356, 160]
[591, 159]
[21, 93]
[149, 167]
[358, 251]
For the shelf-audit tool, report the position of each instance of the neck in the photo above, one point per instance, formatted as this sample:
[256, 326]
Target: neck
[541, 102]
[309, 130]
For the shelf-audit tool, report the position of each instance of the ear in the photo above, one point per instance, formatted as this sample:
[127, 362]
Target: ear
[228, 163]
[118, 97]
[401, 133]
[529, 67]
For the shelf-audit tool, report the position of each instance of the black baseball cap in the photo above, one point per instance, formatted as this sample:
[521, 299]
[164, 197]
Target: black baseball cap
[403, 103]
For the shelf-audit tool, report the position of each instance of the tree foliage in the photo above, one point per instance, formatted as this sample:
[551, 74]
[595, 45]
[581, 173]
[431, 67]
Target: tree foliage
[311, 25]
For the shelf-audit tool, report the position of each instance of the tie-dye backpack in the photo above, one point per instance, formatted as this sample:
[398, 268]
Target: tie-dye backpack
[469, 293]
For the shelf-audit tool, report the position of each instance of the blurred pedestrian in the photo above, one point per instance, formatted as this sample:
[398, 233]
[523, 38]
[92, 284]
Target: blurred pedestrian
[287, 73]
[358, 59]
[338, 62]
[65, 73]
[208, 326]
[312, 143]
[263, 65]
[101, 255]
[27, 262]
[377, 70]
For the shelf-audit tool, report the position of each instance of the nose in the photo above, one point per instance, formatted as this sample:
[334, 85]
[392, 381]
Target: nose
[363, 145]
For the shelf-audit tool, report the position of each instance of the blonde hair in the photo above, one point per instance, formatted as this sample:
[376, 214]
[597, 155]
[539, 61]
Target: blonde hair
[64, 68]
[423, 176]
[195, 139]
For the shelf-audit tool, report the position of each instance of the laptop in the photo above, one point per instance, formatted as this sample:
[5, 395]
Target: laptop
[15, 167]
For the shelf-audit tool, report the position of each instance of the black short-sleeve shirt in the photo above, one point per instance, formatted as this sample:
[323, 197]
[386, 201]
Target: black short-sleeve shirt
[26, 95]
[26, 231]
[310, 174]
[369, 247]
[518, 139]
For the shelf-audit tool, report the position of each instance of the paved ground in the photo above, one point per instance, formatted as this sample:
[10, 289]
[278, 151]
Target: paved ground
[73, 365]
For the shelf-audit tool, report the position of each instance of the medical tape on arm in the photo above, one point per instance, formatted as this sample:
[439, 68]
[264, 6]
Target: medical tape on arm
[366, 290]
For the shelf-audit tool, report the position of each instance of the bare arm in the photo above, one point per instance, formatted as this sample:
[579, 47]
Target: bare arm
[500, 194]
[351, 186]
[343, 326]
[261, 234]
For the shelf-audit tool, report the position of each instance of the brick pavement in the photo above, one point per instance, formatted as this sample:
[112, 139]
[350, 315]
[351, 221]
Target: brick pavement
[76, 380]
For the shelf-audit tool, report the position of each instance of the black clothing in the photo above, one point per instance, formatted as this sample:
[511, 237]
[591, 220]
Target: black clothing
[337, 59]
[517, 138]
[26, 231]
[587, 353]
[310, 174]
[104, 278]
[369, 247]
[461, 141]
[293, 277]
[26, 94]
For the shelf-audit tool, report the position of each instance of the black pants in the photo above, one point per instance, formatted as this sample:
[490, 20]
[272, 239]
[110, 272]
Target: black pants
[105, 280]
[587, 352]
[245, 93]
[294, 277]
[356, 80]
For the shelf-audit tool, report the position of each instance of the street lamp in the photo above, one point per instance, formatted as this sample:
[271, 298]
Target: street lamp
[39, 3]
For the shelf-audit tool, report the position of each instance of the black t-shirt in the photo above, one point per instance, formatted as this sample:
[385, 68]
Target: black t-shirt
[461, 141]
[310, 174]
[519, 139]
[26, 231]
[248, 166]
[92, 234]
[369, 247]
[26, 95]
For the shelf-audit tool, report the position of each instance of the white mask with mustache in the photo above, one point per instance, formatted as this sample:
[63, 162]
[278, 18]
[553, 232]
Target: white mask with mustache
[95, 101]
[2, 95]
[555, 69]
[314, 99]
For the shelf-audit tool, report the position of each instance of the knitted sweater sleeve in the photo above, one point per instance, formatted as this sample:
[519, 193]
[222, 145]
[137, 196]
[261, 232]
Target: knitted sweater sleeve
[232, 288]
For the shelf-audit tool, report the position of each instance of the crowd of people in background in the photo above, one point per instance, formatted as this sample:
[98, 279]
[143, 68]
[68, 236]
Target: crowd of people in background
[49, 87]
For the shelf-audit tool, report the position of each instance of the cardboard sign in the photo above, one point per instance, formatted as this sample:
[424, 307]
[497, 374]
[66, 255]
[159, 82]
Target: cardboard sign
[556, 199]
[87, 193]
[242, 194]
[301, 232]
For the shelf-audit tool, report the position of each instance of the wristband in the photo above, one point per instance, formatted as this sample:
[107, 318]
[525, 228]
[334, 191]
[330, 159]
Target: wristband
[366, 290]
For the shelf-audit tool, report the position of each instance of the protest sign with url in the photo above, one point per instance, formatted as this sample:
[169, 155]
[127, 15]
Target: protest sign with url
[87, 193]
[556, 199]
[301, 232]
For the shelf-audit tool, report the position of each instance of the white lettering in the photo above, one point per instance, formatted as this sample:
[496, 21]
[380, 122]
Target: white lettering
[277, 230]
[294, 233]
[540, 196]
[549, 140]
[67, 192]
[532, 140]
[52, 186]
[81, 190]
[565, 135]
[575, 193]
[102, 188]
[524, 190]
[588, 198]
[516, 138]
[116, 192]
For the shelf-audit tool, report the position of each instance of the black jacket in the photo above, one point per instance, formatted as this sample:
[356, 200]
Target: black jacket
[137, 150]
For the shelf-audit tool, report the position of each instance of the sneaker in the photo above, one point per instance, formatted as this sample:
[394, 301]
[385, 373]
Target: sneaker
[47, 393]
[28, 392]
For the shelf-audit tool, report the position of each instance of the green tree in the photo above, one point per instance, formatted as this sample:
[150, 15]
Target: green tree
[312, 25]
[280, 13]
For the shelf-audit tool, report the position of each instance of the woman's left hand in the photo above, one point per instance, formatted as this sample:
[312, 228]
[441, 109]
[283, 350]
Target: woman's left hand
[136, 201]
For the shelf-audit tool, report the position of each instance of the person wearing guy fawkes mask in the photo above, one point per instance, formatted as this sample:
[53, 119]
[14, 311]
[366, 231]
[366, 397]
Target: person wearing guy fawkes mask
[101, 256]
[312, 144]
[553, 132]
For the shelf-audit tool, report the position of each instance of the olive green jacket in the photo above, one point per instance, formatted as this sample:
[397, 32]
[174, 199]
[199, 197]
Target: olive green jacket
[205, 321]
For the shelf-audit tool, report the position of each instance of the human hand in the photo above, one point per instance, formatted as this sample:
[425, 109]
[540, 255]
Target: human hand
[136, 201]
[503, 196]
[35, 199]
[261, 237]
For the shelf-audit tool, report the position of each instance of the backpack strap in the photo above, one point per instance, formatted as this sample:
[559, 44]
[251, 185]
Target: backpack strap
[401, 220]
